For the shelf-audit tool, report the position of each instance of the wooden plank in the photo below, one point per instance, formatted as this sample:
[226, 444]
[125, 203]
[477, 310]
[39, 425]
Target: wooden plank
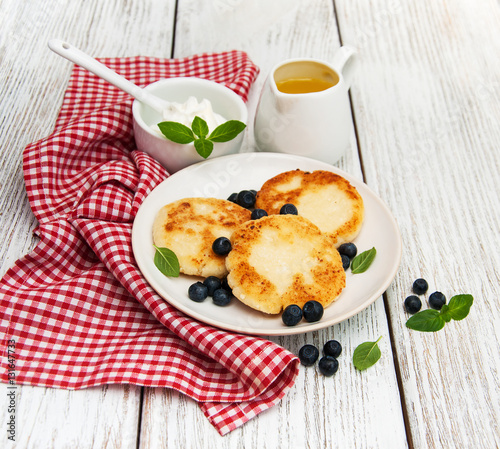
[426, 102]
[344, 411]
[32, 84]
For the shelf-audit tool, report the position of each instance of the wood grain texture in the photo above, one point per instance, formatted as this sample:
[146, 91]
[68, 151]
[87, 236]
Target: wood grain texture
[427, 108]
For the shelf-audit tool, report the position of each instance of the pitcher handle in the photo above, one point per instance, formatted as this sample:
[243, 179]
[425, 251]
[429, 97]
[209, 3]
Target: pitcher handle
[343, 63]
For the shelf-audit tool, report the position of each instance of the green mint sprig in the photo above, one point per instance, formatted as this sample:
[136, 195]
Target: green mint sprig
[166, 261]
[198, 133]
[434, 320]
[366, 355]
[362, 261]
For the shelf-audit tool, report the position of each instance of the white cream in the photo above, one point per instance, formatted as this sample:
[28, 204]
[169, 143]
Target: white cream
[186, 112]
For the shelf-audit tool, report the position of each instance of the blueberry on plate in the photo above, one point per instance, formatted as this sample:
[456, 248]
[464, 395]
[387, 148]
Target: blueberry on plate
[292, 315]
[212, 283]
[198, 292]
[258, 213]
[225, 285]
[289, 209]
[233, 198]
[312, 311]
[246, 199]
[332, 348]
[328, 365]
[348, 249]
[221, 297]
[308, 355]
[346, 262]
[221, 246]
[437, 300]
[413, 304]
[420, 286]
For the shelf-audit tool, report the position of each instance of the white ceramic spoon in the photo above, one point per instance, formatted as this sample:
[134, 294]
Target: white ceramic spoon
[80, 58]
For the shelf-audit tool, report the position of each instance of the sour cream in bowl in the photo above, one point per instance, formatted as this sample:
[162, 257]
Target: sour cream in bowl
[189, 97]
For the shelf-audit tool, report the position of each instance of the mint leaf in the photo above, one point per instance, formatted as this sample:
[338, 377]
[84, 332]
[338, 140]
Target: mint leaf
[204, 147]
[200, 127]
[362, 261]
[459, 306]
[227, 131]
[366, 355]
[176, 132]
[426, 321]
[444, 313]
[166, 261]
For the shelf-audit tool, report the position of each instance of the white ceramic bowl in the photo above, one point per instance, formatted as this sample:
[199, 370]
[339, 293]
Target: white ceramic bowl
[174, 156]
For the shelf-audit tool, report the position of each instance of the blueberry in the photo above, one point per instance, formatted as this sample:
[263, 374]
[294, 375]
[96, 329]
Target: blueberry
[212, 283]
[308, 355]
[292, 315]
[420, 286]
[332, 348]
[221, 297]
[346, 262]
[437, 300]
[312, 311]
[225, 286]
[348, 249]
[198, 292]
[288, 209]
[233, 197]
[258, 213]
[246, 199]
[221, 246]
[413, 304]
[328, 365]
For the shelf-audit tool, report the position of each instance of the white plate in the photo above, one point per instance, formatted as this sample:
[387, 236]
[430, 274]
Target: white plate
[218, 178]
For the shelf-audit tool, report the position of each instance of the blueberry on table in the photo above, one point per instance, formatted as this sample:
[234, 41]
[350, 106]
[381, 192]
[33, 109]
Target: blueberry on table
[332, 348]
[348, 249]
[346, 262]
[221, 297]
[198, 292]
[258, 213]
[328, 365]
[289, 209]
[308, 355]
[221, 246]
[413, 304]
[437, 300]
[292, 315]
[246, 199]
[312, 311]
[212, 283]
[420, 286]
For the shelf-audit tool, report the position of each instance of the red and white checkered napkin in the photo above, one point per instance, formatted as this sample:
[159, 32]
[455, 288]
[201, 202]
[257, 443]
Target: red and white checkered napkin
[78, 309]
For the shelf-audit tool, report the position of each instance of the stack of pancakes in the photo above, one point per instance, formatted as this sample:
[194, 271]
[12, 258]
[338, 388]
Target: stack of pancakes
[276, 260]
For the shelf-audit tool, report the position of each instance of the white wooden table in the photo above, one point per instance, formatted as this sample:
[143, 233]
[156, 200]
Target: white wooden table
[426, 109]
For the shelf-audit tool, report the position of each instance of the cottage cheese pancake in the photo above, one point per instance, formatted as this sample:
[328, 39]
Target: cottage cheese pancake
[189, 227]
[283, 259]
[325, 198]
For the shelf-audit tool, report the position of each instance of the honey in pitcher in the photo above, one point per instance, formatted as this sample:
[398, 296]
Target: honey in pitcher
[304, 85]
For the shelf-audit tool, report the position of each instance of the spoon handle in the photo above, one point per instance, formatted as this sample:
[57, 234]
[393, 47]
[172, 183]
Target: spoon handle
[80, 58]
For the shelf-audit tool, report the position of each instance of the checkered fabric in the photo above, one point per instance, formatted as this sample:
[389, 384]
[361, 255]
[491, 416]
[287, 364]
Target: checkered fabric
[79, 310]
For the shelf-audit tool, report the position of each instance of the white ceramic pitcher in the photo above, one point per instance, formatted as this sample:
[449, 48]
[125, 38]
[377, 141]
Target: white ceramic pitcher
[314, 124]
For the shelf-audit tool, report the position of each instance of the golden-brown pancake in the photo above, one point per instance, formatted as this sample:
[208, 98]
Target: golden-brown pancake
[283, 259]
[325, 198]
[189, 227]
